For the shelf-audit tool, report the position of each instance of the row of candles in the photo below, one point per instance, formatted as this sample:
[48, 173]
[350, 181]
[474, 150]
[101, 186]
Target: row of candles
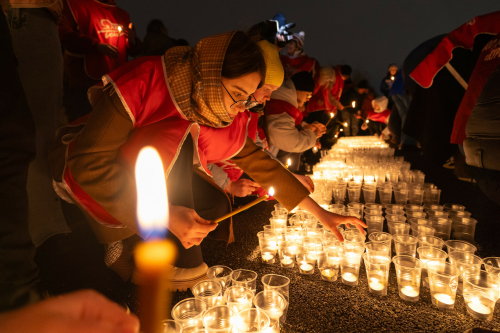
[367, 164]
[227, 302]
[306, 245]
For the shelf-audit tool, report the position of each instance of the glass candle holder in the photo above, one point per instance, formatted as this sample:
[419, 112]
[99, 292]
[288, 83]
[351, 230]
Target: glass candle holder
[277, 223]
[451, 206]
[463, 228]
[394, 207]
[416, 196]
[398, 228]
[350, 260]
[377, 272]
[328, 264]
[422, 230]
[280, 284]
[464, 261]
[492, 265]
[414, 207]
[401, 195]
[433, 207]
[238, 298]
[458, 213]
[244, 278]
[221, 274]
[412, 214]
[306, 260]
[189, 313]
[268, 247]
[171, 326]
[436, 213]
[396, 218]
[252, 320]
[408, 272]
[287, 254]
[294, 235]
[442, 226]
[369, 194]
[219, 319]
[339, 194]
[352, 237]
[354, 193]
[443, 283]
[375, 223]
[390, 211]
[208, 291]
[432, 241]
[280, 214]
[385, 194]
[377, 249]
[372, 212]
[381, 237]
[481, 291]
[426, 254]
[405, 244]
[273, 304]
[372, 205]
[461, 246]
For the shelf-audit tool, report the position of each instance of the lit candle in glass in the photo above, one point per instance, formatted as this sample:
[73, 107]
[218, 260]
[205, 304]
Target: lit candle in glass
[444, 298]
[349, 277]
[267, 257]
[155, 255]
[286, 261]
[375, 284]
[306, 268]
[478, 309]
[409, 291]
[328, 274]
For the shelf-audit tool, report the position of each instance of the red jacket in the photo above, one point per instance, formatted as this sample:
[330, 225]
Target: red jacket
[84, 25]
[278, 106]
[303, 63]
[489, 59]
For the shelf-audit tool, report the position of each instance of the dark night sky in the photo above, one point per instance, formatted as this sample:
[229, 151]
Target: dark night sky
[366, 34]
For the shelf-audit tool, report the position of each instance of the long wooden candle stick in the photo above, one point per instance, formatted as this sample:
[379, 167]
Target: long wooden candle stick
[331, 117]
[242, 208]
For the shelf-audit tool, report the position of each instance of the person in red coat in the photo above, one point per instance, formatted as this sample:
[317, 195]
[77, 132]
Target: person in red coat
[295, 60]
[97, 37]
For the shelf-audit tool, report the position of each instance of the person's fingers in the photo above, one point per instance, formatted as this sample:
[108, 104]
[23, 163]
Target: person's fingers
[90, 306]
[360, 229]
[196, 241]
[249, 182]
[204, 228]
[337, 234]
[186, 244]
[359, 222]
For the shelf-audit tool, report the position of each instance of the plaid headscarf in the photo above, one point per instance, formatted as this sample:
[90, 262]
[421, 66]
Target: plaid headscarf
[194, 75]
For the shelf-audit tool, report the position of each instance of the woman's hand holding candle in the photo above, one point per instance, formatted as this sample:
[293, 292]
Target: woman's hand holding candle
[331, 220]
[241, 187]
[188, 226]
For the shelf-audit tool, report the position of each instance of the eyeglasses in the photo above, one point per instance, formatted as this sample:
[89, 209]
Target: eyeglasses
[248, 103]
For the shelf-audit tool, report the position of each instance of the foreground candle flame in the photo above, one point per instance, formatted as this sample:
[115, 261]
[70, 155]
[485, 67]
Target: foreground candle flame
[288, 163]
[392, 78]
[367, 121]
[119, 28]
[271, 192]
[353, 104]
[331, 114]
[152, 202]
[345, 124]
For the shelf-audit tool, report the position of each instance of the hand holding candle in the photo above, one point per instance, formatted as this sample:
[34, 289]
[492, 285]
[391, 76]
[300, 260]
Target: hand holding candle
[236, 211]
[331, 117]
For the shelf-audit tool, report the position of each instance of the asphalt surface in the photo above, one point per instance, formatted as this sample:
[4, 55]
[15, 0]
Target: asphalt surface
[75, 261]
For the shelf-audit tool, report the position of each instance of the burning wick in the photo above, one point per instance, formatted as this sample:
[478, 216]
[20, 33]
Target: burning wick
[331, 117]
[392, 78]
[353, 104]
[367, 121]
[119, 33]
[288, 163]
[345, 124]
[341, 129]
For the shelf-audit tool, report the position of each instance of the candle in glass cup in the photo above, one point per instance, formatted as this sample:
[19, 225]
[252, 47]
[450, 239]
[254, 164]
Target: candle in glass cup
[349, 277]
[375, 284]
[267, 257]
[328, 274]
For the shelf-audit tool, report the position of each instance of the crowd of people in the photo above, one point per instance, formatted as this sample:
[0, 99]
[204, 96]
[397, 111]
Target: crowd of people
[225, 115]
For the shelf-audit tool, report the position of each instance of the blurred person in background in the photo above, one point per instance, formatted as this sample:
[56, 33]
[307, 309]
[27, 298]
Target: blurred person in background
[388, 80]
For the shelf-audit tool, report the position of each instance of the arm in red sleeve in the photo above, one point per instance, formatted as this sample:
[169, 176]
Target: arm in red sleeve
[71, 39]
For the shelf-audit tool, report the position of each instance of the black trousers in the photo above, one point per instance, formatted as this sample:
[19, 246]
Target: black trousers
[19, 273]
[188, 189]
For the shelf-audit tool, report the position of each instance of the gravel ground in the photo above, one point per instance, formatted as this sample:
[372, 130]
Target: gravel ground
[74, 261]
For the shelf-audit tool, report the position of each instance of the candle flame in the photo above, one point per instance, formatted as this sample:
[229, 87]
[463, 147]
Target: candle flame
[289, 162]
[336, 136]
[345, 124]
[367, 121]
[353, 104]
[271, 192]
[331, 114]
[152, 202]
[341, 129]
[392, 78]
[119, 28]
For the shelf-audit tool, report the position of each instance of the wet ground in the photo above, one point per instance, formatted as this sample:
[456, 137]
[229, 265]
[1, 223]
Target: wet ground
[75, 261]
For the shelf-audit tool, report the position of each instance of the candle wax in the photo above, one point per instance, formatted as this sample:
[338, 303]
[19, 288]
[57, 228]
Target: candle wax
[267, 256]
[328, 273]
[306, 267]
[286, 261]
[443, 298]
[376, 285]
[349, 277]
[478, 307]
[409, 291]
